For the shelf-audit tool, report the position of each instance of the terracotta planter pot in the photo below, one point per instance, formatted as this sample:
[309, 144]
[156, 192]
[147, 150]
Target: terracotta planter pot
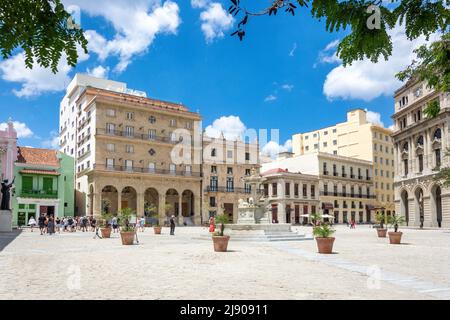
[325, 245]
[220, 243]
[127, 237]
[395, 237]
[381, 233]
[157, 230]
[106, 232]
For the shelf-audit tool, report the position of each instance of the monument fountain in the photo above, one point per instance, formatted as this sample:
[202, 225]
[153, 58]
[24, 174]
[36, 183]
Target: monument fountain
[254, 217]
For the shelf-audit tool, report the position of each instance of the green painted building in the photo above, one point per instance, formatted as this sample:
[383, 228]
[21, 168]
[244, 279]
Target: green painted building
[44, 183]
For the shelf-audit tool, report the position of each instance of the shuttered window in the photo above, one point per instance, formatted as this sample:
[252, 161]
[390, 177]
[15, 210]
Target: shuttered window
[27, 183]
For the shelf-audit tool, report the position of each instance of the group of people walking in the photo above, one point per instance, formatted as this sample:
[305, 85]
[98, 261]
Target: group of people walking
[48, 224]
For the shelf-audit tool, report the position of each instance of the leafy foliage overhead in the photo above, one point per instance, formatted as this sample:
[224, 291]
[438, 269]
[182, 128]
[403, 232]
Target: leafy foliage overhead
[43, 29]
[418, 17]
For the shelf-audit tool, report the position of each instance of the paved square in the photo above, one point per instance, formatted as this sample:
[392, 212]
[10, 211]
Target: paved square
[76, 266]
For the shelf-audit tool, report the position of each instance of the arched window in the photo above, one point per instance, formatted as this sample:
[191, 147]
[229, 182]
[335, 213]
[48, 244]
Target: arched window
[437, 134]
[420, 141]
[405, 146]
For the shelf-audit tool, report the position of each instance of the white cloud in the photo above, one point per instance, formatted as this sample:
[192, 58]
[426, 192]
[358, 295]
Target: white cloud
[22, 129]
[287, 87]
[366, 80]
[294, 48]
[52, 142]
[327, 57]
[270, 98]
[98, 72]
[34, 81]
[136, 25]
[272, 148]
[215, 19]
[231, 126]
[199, 4]
[374, 118]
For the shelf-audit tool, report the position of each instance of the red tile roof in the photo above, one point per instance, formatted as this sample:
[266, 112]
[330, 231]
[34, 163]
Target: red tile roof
[272, 171]
[37, 156]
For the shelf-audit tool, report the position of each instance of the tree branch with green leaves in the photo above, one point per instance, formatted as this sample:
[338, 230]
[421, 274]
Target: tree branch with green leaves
[43, 29]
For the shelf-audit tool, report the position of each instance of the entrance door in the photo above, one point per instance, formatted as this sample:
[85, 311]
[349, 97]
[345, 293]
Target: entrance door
[336, 217]
[51, 211]
[274, 213]
[228, 209]
[21, 219]
[184, 207]
[43, 210]
[288, 213]
[124, 204]
[297, 214]
[368, 217]
[305, 211]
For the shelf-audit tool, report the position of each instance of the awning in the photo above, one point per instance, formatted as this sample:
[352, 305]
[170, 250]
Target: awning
[370, 207]
[327, 205]
[42, 172]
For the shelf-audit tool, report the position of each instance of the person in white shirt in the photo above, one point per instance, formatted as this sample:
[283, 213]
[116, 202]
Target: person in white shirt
[32, 223]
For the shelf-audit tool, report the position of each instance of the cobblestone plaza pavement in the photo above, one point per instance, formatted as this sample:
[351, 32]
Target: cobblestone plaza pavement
[76, 266]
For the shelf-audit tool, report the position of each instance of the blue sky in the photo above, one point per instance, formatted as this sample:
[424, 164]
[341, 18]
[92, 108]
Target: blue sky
[284, 75]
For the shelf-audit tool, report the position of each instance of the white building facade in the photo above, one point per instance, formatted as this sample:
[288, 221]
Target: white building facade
[420, 152]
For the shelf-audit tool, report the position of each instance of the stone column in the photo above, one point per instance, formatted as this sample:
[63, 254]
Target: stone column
[270, 189]
[281, 212]
[97, 203]
[429, 150]
[180, 209]
[161, 208]
[140, 205]
[119, 200]
[197, 215]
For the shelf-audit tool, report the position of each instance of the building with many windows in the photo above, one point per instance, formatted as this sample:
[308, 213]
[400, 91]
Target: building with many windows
[357, 138]
[345, 185]
[290, 195]
[420, 148]
[43, 185]
[225, 164]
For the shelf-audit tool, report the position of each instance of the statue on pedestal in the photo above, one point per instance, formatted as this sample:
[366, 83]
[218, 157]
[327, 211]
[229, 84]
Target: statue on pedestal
[6, 196]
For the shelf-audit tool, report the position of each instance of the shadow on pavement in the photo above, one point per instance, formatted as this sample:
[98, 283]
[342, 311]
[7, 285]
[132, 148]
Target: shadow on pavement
[8, 237]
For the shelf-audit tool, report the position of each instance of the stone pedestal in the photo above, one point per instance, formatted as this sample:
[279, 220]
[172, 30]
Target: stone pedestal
[5, 221]
[246, 216]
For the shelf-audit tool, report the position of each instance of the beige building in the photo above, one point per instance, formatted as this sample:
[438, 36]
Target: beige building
[125, 151]
[290, 195]
[420, 147]
[356, 138]
[345, 185]
[225, 164]
[132, 151]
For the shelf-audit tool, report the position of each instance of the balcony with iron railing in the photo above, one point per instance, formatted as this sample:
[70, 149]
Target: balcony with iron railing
[211, 189]
[42, 194]
[118, 168]
[139, 136]
[347, 195]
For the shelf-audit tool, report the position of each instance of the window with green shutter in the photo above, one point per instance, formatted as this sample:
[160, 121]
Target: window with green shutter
[48, 184]
[27, 183]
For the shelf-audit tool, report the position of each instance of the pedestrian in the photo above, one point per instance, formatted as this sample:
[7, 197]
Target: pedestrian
[93, 223]
[58, 224]
[32, 223]
[41, 223]
[50, 225]
[212, 226]
[172, 225]
[142, 224]
[114, 223]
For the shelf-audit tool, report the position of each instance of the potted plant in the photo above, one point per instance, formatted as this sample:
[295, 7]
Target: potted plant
[395, 237]
[127, 231]
[381, 231]
[105, 225]
[324, 239]
[219, 239]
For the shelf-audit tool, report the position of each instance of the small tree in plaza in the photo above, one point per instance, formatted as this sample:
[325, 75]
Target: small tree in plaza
[220, 240]
[395, 221]
[380, 218]
[127, 231]
[315, 218]
[323, 233]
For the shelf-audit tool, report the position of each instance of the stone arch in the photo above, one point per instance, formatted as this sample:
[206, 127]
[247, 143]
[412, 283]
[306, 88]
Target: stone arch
[151, 202]
[110, 199]
[436, 205]
[404, 204]
[419, 215]
[188, 203]
[172, 202]
[129, 198]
